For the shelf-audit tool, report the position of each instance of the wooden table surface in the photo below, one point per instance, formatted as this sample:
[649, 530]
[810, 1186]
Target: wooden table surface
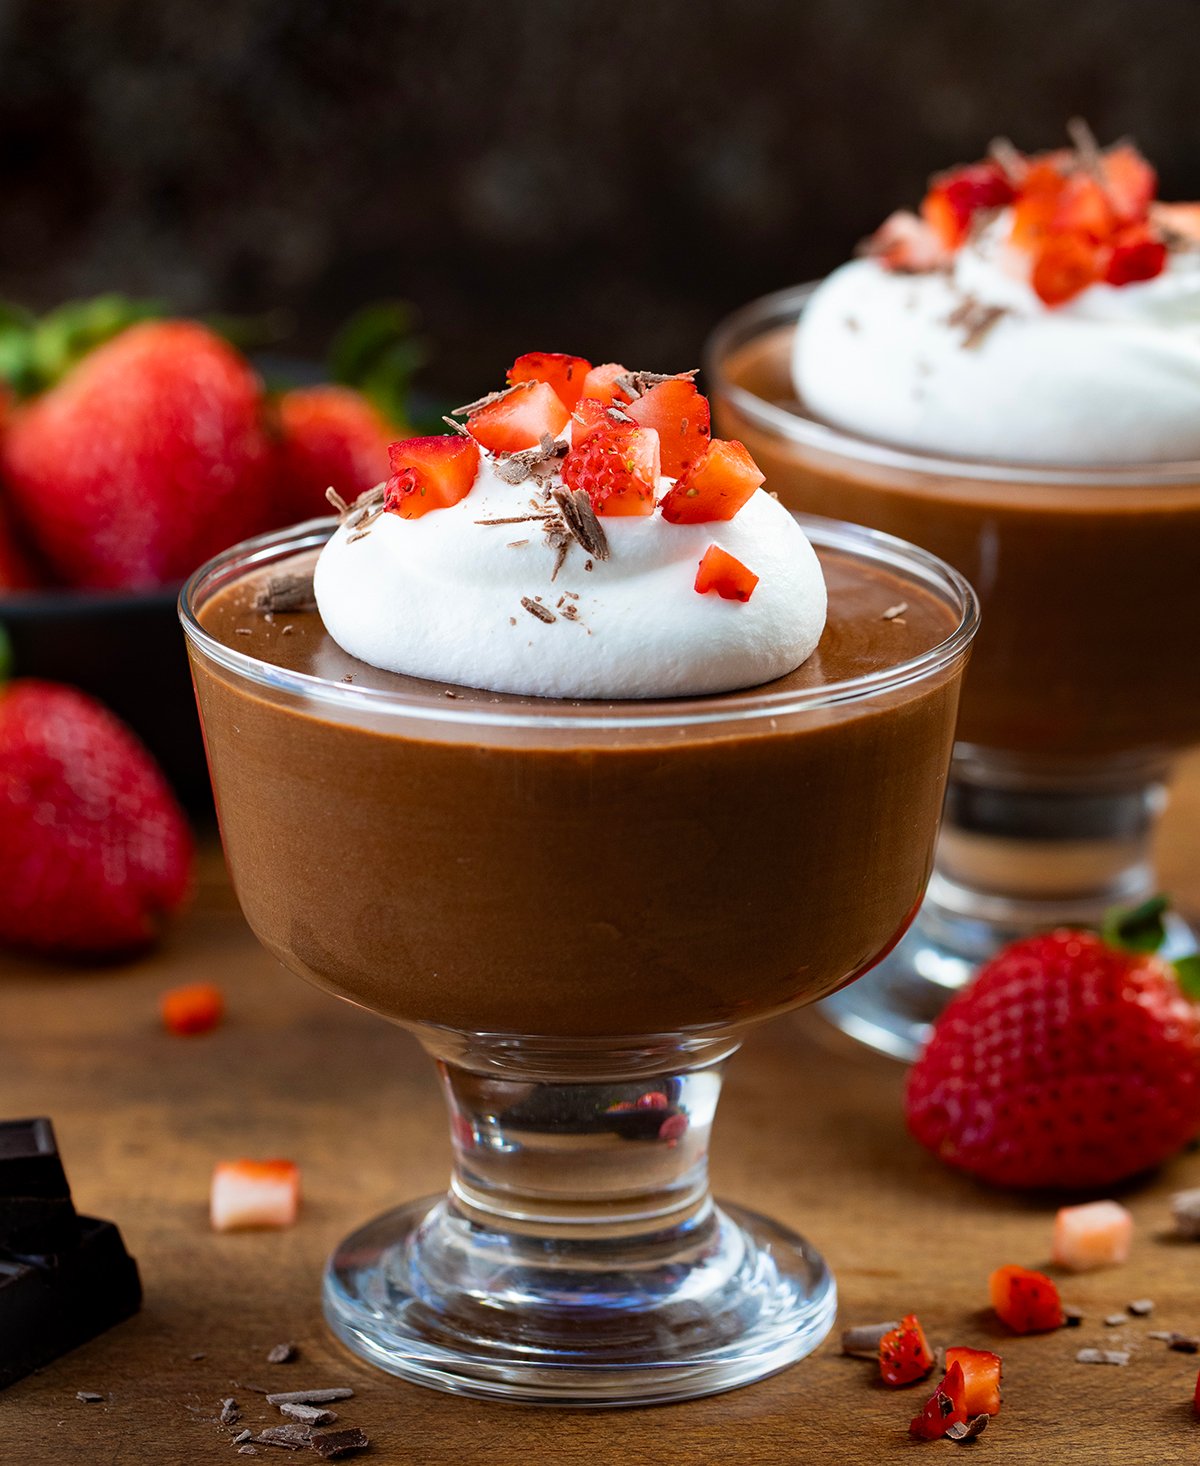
[810, 1132]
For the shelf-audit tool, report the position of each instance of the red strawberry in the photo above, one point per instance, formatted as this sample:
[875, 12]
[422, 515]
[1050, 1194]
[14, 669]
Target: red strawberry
[94, 850]
[16, 572]
[1130, 182]
[618, 466]
[586, 416]
[1064, 265]
[329, 437]
[956, 197]
[947, 1406]
[1137, 254]
[248, 1194]
[981, 1378]
[193, 1009]
[679, 415]
[1066, 1063]
[904, 1353]
[601, 383]
[519, 418]
[715, 486]
[148, 457]
[430, 473]
[721, 572]
[1026, 1301]
[565, 374]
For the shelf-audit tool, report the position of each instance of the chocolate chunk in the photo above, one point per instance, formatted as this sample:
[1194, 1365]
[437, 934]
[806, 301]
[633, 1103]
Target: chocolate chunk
[286, 592]
[309, 1414]
[1114, 1320]
[283, 1354]
[1181, 1343]
[36, 1214]
[49, 1306]
[1185, 1212]
[1072, 1316]
[1141, 1307]
[88, 1397]
[286, 1437]
[312, 1397]
[330, 1444]
[242, 1436]
[230, 1414]
[247, 1451]
[1102, 1356]
[863, 1341]
[967, 1430]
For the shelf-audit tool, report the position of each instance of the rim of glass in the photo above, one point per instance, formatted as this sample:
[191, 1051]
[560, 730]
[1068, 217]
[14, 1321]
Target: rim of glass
[783, 307]
[879, 548]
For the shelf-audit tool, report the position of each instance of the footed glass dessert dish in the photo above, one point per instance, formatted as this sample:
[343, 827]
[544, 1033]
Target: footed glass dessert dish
[1081, 687]
[578, 907]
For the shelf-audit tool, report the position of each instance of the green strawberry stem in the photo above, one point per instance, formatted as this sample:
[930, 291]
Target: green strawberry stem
[1141, 929]
[377, 352]
[35, 354]
[1187, 974]
[6, 657]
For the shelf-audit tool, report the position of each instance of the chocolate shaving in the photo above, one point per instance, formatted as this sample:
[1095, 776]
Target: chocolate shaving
[967, 1430]
[286, 593]
[537, 463]
[283, 1353]
[254, 1389]
[242, 1436]
[570, 613]
[230, 1414]
[634, 384]
[519, 518]
[1114, 1320]
[893, 611]
[543, 613]
[1102, 1356]
[330, 1444]
[516, 544]
[975, 318]
[580, 519]
[862, 1341]
[457, 426]
[312, 1397]
[1141, 1307]
[88, 1397]
[1181, 1343]
[1084, 141]
[1008, 159]
[289, 1437]
[247, 1450]
[1185, 1212]
[337, 501]
[490, 397]
[309, 1414]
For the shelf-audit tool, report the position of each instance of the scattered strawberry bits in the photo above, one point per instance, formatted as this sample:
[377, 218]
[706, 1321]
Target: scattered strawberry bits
[981, 1378]
[1025, 1300]
[197, 1008]
[430, 473]
[904, 1353]
[728, 577]
[1096, 1234]
[945, 1408]
[248, 1194]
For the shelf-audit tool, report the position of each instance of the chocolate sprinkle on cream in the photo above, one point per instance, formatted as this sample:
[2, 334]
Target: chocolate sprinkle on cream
[490, 397]
[975, 318]
[634, 384]
[582, 523]
[537, 463]
[543, 613]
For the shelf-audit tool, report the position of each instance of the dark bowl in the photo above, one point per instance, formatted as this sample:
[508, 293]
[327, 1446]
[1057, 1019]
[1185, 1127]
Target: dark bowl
[127, 649]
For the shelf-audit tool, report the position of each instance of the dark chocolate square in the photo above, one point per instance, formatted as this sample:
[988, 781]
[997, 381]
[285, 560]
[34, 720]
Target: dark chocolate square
[36, 1214]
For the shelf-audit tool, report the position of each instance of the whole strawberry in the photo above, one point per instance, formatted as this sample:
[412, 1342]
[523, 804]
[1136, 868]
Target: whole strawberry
[329, 437]
[16, 572]
[1068, 1063]
[148, 456]
[94, 850]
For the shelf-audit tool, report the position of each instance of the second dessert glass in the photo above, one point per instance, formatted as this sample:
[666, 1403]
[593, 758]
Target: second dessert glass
[578, 908]
[1082, 687]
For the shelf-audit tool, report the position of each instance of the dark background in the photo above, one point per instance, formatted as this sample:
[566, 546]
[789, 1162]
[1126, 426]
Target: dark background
[548, 174]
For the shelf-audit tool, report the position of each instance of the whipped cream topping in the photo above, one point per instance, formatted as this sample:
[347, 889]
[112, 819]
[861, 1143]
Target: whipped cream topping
[971, 363]
[451, 599]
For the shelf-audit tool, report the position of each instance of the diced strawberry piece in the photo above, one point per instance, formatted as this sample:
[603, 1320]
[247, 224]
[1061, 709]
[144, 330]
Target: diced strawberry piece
[907, 245]
[587, 415]
[1034, 210]
[519, 419]
[254, 1194]
[193, 1009]
[679, 414]
[1026, 1301]
[716, 486]
[1137, 254]
[945, 1407]
[601, 383]
[1063, 266]
[1083, 208]
[1096, 1234]
[1182, 220]
[1130, 183]
[566, 374]
[904, 1353]
[430, 473]
[720, 572]
[1196, 1397]
[618, 467]
[956, 197]
[981, 1378]
[653, 1099]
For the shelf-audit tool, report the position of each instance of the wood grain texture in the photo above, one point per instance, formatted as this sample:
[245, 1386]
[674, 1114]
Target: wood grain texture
[810, 1132]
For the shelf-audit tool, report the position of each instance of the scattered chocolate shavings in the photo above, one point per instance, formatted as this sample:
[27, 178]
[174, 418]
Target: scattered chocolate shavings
[312, 1397]
[1072, 1316]
[1114, 1320]
[247, 1450]
[893, 611]
[286, 592]
[1088, 149]
[488, 398]
[1181, 1343]
[242, 1436]
[975, 318]
[519, 518]
[337, 501]
[587, 564]
[967, 1430]
[862, 1341]
[543, 613]
[614, 414]
[309, 1414]
[634, 384]
[1185, 1212]
[284, 1353]
[254, 1389]
[448, 693]
[580, 520]
[1102, 1356]
[348, 678]
[516, 544]
[1008, 159]
[230, 1414]
[537, 463]
[330, 1444]
[512, 620]
[241, 631]
[457, 426]
[1141, 1307]
[570, 613]
[89, 1397]
[289, 1437]
[195, 1357]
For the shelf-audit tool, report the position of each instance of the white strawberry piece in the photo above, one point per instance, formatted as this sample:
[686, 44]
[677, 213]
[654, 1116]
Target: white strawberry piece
[254, 1194]
[1096, 1234]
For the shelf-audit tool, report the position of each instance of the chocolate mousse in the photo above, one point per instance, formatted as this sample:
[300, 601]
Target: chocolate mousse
[489, 862]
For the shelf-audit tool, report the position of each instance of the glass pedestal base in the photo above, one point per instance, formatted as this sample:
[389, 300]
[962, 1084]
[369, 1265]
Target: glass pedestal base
[428, 1294]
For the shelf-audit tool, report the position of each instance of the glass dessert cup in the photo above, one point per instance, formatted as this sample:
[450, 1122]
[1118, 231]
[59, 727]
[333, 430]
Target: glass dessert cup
[1082, 683]
[578, 908]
